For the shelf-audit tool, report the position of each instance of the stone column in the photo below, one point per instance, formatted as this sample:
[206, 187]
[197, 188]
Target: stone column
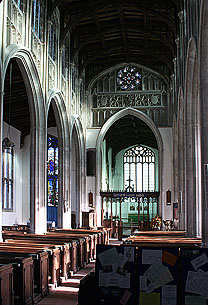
[38, 180]
[1, 130]
[65, 208]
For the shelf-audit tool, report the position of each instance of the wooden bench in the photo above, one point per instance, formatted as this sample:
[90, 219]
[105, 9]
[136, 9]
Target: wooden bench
[149, 241]
[53, 257]
[63, 247]
[40, 275]
[160, 233]
[22, 279]
[6, 284]
[69, 254]
[91, 238]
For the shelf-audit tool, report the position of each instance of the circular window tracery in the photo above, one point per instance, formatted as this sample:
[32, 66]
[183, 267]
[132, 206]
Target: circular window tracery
[129, 78]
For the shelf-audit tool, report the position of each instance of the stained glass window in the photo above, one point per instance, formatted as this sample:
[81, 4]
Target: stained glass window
[38, 17]
[52, 171]
[7, 174]
[139, 169]
[129, 78]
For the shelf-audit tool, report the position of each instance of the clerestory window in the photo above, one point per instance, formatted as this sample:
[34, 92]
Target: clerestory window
[19, 3]
[38, 17]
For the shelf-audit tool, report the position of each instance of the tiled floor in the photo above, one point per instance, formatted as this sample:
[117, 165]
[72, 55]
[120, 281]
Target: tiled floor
[67, 293]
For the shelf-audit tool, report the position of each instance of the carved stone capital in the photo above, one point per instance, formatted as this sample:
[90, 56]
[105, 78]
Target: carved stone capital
[181, 16]
[177, 41]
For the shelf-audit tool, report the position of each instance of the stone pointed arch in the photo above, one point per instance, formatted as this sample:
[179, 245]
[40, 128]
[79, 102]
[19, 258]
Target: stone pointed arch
[55, 98]
[191, 100]
[77, 140]
[30, 75]
[203, 64]
[103, 131]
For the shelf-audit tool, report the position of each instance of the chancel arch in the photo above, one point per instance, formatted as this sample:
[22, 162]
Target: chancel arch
[142, 131]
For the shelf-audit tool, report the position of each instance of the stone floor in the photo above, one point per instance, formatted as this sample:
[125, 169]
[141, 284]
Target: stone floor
[67, 293]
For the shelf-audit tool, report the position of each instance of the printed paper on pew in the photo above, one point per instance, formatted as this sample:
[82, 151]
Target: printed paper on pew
[129, 253]
[199, 261]
[120, 262]
[169, 258]
[169, 295]
[149, 299]
[103, 279]
[149, 256]
[125, 297]
[195, 300]
[197, 282]
[142, 283]
[125, 281]
[108, 257]
[158, 275]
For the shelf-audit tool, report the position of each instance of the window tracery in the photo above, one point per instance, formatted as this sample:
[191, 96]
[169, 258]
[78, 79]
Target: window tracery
[129, 78]
[38, 17]
[7, 174]
[139, 169]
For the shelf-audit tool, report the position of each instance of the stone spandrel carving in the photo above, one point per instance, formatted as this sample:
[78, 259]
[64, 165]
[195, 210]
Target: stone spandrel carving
[129, 100]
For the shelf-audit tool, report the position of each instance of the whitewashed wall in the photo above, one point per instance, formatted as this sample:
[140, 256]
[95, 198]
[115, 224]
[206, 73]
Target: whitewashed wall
[167, 175]
[21, 173]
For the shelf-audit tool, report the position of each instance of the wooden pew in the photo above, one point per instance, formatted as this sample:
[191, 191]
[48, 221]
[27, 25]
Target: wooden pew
[6, 284]
[149, 241]
[40, 262]
[22, 279]
[160, 233]
[64, 251]
[74, 267]
[75, 234]
[54, 257]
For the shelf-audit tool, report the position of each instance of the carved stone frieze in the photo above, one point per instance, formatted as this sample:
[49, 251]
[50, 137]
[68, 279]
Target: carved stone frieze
[129, 100]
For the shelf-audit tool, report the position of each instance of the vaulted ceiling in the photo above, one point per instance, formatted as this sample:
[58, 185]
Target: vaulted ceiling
[105, 33]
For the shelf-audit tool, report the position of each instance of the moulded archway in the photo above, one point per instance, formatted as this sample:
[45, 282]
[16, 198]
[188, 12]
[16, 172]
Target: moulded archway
[203, 64]
[29, 72]
[77, 170]
[181, 167]
[103, 131]
[55, 99]
[192, 200]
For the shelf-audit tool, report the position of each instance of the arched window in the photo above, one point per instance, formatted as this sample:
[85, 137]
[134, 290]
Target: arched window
[65, 61]
[52, 171]
[139, 169]
[38, 17]
[52, 42]
[7, 174]
[19, 4]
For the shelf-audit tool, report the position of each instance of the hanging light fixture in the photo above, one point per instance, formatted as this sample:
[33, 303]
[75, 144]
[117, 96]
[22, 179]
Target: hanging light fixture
[7, 144]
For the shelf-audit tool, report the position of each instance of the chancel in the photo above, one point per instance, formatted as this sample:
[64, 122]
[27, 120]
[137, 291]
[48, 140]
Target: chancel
[104, 142]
